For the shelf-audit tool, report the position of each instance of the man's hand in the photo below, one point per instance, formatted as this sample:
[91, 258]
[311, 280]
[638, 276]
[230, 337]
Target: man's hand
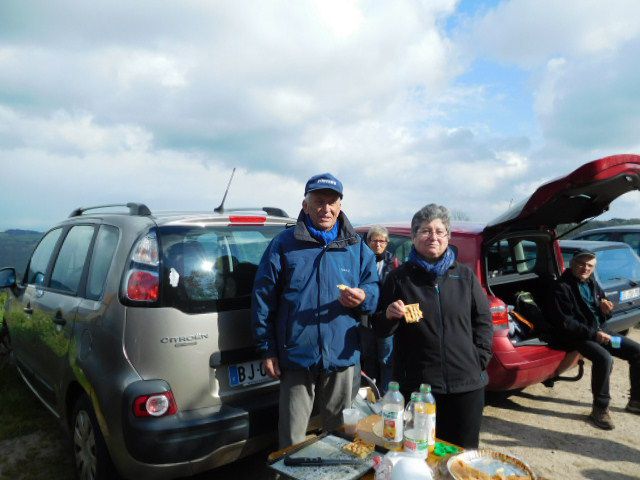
[272, 367]
[351, 297]
[395, 310]
[603, 338]
[606, 307]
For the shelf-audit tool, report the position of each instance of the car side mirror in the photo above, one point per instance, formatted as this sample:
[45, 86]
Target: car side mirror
[8, 277]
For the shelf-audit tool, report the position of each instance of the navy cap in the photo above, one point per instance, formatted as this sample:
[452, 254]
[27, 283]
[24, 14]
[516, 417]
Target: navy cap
[323, 181]
[583, 253]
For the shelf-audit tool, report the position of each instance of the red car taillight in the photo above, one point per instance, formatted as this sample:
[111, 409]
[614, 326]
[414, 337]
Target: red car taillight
[143, 286]
[155, 405]
[499, 313]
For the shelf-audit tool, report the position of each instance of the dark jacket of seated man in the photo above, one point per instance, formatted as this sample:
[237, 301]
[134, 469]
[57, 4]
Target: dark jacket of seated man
[578, 311]
[573, 320]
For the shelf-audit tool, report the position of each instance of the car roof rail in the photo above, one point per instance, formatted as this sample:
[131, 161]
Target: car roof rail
[139, 209]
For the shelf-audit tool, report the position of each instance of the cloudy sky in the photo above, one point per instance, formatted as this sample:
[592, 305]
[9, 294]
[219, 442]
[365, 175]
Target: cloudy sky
[466, 103]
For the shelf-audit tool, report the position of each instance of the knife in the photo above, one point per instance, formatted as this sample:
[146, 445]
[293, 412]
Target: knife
[319, 461]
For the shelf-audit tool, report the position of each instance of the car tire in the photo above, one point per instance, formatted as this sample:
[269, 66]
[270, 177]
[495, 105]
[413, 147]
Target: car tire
[499, 397]
[89, 449]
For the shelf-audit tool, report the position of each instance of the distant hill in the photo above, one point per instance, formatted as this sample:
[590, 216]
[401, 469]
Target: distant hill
[596, 224]
[16, 247]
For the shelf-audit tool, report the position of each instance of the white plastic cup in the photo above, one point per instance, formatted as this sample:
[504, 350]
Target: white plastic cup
[350, 417]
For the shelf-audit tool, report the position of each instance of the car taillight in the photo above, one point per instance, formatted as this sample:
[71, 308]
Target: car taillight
[143, 286]
[142, 281]
[246, 219]
[155, 405]
[499, 313]
[146, 250]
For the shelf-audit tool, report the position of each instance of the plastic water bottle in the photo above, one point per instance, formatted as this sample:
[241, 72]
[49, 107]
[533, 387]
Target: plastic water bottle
[415, 428]
[393, 414]
[430, 409]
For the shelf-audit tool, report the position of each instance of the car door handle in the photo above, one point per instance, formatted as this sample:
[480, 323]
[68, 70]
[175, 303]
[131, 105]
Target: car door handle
[59, 319]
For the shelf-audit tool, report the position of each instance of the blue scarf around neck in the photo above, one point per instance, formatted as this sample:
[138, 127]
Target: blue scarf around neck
[322, 236]
[437, 268]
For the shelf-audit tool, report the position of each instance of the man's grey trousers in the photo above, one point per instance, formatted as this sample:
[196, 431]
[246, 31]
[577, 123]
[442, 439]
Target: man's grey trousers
[299, 388]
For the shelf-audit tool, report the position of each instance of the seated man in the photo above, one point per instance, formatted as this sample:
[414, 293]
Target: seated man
[579, 310]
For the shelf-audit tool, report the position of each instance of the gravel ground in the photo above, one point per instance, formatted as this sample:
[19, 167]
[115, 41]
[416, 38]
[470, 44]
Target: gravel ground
[548, 428]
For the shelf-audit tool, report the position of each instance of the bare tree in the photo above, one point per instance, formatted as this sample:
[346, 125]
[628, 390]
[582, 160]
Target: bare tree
[459, 215]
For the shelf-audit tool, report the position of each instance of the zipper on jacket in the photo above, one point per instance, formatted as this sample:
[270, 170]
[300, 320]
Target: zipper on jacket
[443, 356]
[325, 247]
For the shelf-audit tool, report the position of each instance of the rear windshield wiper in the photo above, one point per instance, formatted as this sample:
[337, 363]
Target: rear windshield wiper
[633, 283]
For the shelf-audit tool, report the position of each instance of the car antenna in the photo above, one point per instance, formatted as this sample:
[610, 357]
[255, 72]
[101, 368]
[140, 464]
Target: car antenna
[220, 208]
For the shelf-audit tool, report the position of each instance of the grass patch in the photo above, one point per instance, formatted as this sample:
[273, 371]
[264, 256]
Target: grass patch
[32, 442]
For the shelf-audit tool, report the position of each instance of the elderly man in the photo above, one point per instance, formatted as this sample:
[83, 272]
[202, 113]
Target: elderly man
[377, 352]
[313, 284]
[579, 310]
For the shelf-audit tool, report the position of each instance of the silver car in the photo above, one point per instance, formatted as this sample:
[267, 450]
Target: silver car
[134, 330]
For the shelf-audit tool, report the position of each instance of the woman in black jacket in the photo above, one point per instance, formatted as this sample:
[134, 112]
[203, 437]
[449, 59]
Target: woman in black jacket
[450, 346]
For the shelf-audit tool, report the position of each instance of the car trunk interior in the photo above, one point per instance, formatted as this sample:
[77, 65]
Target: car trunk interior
[517, 264]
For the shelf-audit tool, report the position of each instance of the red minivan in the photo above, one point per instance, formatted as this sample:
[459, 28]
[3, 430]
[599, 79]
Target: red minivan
[519, 252]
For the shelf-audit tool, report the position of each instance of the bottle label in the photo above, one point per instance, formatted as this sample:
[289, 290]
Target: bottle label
[415, 446]
[431, 428]
[392, 427]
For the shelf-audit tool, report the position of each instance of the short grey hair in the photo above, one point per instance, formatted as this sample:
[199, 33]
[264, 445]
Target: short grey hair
[428, 214]
[377, 230]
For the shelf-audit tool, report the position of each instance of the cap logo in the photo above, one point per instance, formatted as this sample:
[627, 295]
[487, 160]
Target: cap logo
[324, 180]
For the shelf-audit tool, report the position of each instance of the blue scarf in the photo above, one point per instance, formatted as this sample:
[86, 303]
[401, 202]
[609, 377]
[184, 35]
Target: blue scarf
[322, 236]
[437, 268]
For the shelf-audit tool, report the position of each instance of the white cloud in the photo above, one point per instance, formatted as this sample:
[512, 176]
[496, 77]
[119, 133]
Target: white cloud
[156, 102]
[529, 32]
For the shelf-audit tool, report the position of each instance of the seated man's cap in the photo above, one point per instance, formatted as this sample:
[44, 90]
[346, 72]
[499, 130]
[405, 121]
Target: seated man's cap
[323, 181]
[584, 253]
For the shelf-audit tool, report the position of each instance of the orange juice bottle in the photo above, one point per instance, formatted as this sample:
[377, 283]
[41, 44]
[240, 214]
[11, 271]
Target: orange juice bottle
[393, 414]
[430, 404]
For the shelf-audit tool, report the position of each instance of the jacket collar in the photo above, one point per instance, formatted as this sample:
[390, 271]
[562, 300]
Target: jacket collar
[571, 279]
[346, 233]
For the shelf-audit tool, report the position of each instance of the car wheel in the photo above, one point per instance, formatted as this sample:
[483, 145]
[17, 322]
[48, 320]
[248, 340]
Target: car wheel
[499, 397]
[90, 452]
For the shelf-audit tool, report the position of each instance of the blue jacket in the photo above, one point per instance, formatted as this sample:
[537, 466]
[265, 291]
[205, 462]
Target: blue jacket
[295, 309]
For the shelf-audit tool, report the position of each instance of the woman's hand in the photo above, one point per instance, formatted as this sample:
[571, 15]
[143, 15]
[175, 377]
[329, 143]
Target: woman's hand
[395, 310]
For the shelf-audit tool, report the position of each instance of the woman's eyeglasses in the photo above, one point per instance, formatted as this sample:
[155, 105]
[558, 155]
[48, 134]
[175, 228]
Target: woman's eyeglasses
[432, 233]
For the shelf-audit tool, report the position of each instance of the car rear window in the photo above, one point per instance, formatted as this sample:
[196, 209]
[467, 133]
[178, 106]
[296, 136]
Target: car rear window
[616, 264]
[516, 257]
[211, 269]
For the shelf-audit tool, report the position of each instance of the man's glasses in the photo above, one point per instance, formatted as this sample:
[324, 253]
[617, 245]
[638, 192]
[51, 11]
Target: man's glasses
[432, 233]
[379, 241]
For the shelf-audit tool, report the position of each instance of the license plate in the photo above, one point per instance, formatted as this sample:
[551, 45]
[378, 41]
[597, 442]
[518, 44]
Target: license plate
[630, 294]
[247, 373]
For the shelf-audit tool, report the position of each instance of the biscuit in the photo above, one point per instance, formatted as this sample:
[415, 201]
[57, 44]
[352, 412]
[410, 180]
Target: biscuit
[359, 448]
[342, 287]
[412, 313]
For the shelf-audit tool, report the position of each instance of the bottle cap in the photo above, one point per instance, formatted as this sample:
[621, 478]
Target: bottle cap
[395, 386]
[425, 388]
